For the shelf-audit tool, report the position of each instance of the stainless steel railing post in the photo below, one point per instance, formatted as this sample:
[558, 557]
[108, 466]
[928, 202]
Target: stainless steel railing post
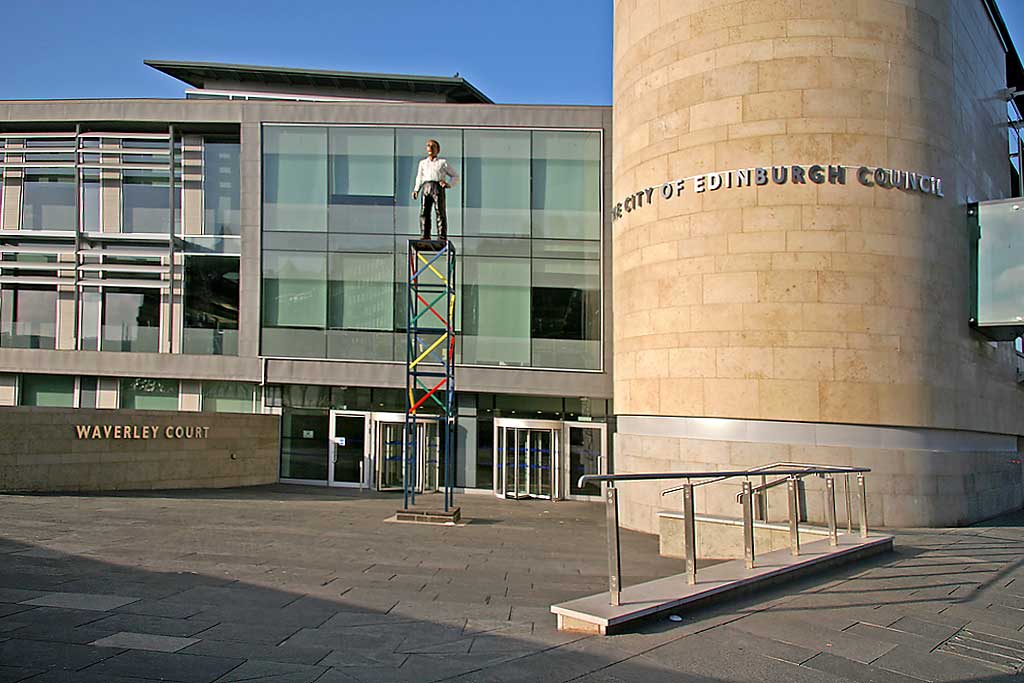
[830, 509]
[614, 559]
[863, 495]
[689, 534]
[794, 515]
[849, 507]
[748, 525]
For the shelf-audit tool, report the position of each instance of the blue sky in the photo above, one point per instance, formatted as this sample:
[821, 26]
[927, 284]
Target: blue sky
[516, 51]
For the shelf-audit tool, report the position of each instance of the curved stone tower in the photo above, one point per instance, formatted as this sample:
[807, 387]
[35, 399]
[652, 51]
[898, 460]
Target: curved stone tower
[817, 314]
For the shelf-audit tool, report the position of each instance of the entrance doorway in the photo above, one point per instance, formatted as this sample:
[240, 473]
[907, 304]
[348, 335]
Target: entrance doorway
[545, 458]
[366, 451]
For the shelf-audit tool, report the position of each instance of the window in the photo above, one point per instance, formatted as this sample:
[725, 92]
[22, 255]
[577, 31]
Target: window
[146, 202]
[211, 305]
[362, 180]
[28, 317]
[497, 183]
[566, 313]
[496, 311]
[56, 391]
[221, 188]
[228, 397]
[295, 178]
[121, 319]
[48, 200]
[149, 394]
[304, 435]
[294, 296]
[91, 200]
[566, 198]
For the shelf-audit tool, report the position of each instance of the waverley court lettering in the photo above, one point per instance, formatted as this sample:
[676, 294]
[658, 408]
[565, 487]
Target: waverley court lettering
[140, 432]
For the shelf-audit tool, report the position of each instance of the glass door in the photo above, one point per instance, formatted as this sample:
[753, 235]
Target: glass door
[389, 432]
[585, 450]
[347, 462]
[526, 458]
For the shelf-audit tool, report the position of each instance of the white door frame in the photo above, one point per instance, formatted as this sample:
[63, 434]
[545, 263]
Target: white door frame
[365, 467]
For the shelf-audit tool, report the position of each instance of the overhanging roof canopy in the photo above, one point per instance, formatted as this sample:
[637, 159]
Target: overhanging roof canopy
[198, 74]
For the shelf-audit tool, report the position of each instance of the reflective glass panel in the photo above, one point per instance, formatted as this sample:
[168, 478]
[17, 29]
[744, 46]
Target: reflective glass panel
[362, 180]
[146, 202]
[227, 397]
[211, 305]
[56, 391]
[496, 311]
[566, 185]
[497, 183]
[295, 178]
[149, 394]
[221, 188]
[294, 289]
[361, 296]
[28, 317]
[566, 320]
[91, 201]
[131, 320]
[304, 444]
[48, 200]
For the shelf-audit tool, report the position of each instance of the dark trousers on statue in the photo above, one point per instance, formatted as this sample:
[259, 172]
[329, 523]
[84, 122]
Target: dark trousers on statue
[432, 195]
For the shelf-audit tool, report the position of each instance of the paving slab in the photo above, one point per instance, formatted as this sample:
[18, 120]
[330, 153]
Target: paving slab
[83, 601]
[170, 666]
[145, 641]
[286, 654]
[33, 654]
[273, 672]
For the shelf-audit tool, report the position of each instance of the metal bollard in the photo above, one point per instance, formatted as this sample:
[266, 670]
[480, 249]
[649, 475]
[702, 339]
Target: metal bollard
[862, 493]
[794, 516]
[830, 510]
[614, 560]
[748, 525]
[689, 534]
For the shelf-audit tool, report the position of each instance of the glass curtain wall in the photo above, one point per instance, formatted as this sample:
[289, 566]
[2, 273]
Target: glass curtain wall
[121, 319]
[526, 219]
[227, 397]
[222, 180]
[48, 200]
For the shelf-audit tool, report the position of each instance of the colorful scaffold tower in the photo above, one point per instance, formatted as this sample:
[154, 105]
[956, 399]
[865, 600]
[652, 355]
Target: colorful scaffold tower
[430, 368]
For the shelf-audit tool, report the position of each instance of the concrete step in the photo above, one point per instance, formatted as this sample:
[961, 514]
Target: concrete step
[593, 614]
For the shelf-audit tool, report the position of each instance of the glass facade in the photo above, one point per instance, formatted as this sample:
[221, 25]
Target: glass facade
[146, 202]
[211, 305]
[338, 212]
[55, 391]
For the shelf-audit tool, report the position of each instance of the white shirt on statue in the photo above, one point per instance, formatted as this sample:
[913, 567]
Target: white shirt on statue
[436, 169]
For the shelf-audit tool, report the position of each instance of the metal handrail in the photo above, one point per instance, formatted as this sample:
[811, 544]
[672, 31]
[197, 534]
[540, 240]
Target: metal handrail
[769, 469]
[792, 472]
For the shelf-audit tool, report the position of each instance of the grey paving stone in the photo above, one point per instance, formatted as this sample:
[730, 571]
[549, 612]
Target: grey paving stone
[935, 666]
[286, 654]
[145, 641]
[83, 677]
[930, 630]
[810, 635]
[855, 671]
[81, 601]
[48, 655]
[273, 672]
[17, 594]
[170, 666]
[13, 674]
[364, 659]
[83, 635]
[269, 633]
[161, 608]
[894, 636]
[162, 626]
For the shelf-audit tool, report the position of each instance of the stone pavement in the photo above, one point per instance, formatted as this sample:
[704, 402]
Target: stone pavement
[293, 584]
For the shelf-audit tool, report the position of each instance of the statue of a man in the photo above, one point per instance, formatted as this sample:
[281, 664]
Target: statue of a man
[433, 176]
